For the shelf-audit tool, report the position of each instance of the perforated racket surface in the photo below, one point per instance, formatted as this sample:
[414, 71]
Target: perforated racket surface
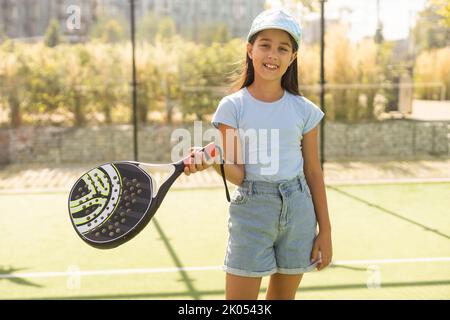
[112, 203]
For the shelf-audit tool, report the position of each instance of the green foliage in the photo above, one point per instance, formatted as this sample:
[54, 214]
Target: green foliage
[443, 10]
[214, 33]
[349, 63]
[432, 28]
[204, 70]
[106, 85]
[147, 27]
[433, 66]
[166, 29]
[207, 33]
[151, 28]
[15, 80]
[110, 30]
[90, 83]
[46, 94]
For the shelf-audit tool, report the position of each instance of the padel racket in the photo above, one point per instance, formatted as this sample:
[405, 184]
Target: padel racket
[112, 203]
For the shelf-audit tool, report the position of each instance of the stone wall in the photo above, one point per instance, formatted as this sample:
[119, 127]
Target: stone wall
[393, 139]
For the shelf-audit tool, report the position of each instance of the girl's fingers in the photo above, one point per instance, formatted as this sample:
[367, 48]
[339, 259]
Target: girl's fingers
[315, 253]
[186, 170]
[195, 164]
[192, 168]
[191, 165]
[202, 161]
[198, 161]
[325, 262]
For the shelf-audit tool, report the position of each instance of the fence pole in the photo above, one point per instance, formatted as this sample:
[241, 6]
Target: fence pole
[134, 83]
[322, 82]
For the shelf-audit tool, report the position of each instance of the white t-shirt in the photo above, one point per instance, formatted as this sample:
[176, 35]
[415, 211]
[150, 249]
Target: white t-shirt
[270, 132]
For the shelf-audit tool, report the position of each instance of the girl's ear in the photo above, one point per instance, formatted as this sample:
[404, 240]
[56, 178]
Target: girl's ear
[294, 56]
[250, 50]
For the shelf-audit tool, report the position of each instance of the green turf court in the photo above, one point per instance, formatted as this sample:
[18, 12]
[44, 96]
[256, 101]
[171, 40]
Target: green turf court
[405, 228]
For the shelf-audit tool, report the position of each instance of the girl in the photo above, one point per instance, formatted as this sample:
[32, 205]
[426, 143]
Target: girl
[275, 210]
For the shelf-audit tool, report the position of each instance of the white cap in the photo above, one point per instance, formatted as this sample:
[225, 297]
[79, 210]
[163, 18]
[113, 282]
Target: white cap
[276, 19]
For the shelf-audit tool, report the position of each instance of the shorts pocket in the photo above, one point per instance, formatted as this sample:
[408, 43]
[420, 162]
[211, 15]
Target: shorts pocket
[306, 188]
[239, 197]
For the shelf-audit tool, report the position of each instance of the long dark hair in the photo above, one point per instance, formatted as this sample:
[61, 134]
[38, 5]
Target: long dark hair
[246, 76]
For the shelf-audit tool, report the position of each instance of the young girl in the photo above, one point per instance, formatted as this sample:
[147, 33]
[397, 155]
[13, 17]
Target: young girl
[276, 208]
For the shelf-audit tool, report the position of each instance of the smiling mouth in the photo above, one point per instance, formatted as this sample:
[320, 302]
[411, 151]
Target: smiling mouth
[270, 66]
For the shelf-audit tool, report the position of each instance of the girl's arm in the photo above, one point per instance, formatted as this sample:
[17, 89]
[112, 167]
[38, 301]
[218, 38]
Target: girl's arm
[233, 167]
[314, 177]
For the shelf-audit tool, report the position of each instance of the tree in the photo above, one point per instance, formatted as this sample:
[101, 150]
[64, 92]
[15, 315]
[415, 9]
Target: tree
[167, 84]
[12, 69]
[110, 30]
[204, 70]
[149, 77]
[433, 66]
[166, 29]
[443, 10]
[53, 34]
[432, 27]
[107, 87]
[147, 28]
[44, 81]
[210, 33]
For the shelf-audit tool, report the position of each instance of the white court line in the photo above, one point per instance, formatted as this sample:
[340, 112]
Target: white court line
[219, 184]
[104, 272]
[205, 268]
[389, 261]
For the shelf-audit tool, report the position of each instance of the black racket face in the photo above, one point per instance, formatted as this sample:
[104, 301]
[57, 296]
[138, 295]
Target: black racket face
[109, 203]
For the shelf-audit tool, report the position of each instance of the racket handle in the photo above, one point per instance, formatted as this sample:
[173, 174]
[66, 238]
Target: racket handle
[209, 149]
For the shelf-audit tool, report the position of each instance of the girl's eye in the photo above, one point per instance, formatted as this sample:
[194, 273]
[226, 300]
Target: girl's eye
[283, 49]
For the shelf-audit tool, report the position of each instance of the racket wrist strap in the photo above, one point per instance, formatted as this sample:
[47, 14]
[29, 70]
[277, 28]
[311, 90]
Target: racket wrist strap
[222, 171]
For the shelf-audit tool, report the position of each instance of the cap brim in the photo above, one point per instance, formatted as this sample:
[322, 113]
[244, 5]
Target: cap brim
[274, 27]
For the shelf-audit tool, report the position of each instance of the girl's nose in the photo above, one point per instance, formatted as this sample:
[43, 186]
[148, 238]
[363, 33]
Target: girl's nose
[272, 57]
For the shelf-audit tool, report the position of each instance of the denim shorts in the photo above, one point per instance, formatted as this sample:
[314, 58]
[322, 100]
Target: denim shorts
[272, 227]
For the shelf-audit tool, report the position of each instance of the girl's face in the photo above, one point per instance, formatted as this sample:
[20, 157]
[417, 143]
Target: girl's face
[271, 53]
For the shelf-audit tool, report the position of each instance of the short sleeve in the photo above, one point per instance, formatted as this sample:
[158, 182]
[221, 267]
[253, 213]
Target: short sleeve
[226, 113]
[313, 115]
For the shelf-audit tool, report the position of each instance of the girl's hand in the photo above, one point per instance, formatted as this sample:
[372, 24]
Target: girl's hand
[199, 161]
[322, 250]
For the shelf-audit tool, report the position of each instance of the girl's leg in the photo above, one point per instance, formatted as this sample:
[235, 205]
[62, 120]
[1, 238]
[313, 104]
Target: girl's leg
[241, 288]
[283, 286]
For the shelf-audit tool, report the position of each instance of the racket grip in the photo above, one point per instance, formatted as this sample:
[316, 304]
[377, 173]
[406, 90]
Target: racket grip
[209, 149]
